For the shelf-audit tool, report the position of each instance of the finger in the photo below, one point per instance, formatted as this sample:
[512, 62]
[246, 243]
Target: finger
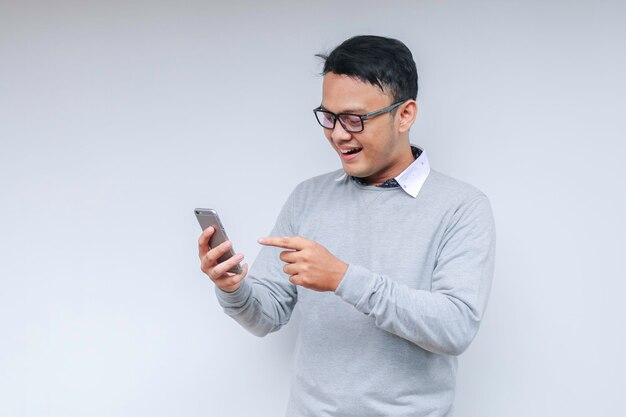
[295, 280]
[290, 269]
[289, 256]
[203, 241]
[211, 258]
[230, 283]
[295, 242]
[208, 267]
[214, 254]
[230, 263]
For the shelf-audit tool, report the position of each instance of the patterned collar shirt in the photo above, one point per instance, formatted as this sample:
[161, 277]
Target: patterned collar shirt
[410, 180]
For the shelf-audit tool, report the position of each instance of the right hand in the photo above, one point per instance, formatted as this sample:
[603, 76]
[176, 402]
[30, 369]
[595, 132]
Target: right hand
[226, 281]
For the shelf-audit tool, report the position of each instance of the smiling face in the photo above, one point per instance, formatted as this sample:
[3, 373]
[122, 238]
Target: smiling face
[384, 143]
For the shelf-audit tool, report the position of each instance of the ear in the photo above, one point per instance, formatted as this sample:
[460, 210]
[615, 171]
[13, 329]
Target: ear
[407, 113]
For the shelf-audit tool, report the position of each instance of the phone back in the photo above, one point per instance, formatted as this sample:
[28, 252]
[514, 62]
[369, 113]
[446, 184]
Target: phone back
[209, 217]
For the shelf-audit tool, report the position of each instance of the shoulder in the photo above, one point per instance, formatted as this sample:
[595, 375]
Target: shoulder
[455, 198]
[443, 187]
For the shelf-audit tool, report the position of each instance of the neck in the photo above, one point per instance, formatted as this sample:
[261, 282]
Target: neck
[403, 162]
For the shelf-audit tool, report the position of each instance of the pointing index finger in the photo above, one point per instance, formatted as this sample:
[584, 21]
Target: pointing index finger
[283, 242]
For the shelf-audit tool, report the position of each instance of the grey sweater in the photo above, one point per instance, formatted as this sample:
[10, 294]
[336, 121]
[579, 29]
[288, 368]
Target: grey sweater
[385, 342]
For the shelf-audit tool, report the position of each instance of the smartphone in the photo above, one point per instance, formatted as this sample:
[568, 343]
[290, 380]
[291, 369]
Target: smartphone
[209, 217]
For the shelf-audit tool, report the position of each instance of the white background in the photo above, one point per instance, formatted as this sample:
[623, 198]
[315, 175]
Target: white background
[118, 118]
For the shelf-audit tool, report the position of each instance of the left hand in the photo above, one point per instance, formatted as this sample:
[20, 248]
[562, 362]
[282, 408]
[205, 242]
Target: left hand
[310, 264]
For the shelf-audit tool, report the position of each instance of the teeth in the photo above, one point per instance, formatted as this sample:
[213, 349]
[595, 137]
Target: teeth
[343, 151]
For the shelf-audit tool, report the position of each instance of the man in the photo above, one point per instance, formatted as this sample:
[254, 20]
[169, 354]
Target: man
[389, 261]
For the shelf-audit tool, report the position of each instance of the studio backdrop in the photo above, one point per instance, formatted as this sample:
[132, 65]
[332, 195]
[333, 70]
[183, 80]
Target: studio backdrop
[118, 118]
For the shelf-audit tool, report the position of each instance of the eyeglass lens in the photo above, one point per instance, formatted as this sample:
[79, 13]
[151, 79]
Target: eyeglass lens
[349, 122]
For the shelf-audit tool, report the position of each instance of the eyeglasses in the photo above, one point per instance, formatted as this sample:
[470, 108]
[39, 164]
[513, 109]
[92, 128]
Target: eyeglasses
[350, 122]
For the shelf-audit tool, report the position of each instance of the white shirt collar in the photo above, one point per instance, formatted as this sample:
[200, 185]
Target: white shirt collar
[413, 177]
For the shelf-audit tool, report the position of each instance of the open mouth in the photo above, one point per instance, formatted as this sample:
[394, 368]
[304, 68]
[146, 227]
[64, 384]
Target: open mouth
[351, 151]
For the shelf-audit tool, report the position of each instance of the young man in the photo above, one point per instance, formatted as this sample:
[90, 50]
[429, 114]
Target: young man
[389, 261]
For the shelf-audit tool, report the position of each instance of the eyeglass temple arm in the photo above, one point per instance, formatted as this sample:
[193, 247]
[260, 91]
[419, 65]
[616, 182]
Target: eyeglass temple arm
[381, 111]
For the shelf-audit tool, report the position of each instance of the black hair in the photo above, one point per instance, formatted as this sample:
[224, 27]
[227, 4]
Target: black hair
[384, 62]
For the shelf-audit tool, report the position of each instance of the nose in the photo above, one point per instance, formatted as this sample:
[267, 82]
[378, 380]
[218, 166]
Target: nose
[339, 134]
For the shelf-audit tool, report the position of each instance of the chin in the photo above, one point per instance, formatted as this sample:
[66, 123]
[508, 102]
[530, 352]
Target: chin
[350, 170]
[354, 172]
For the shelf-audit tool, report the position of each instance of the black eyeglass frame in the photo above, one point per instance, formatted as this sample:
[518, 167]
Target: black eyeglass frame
[362, 117]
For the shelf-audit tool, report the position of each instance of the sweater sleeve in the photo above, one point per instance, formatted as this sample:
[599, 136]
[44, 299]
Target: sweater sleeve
[445, 319]
[265, 299]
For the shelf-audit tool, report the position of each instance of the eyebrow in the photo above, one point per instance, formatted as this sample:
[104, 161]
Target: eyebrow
[355, 110]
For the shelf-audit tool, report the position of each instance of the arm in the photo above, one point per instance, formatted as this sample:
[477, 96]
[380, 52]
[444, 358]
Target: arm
[262, 302]
[446, 318]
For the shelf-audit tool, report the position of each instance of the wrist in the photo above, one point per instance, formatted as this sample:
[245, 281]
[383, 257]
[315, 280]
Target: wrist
[231, 288]
[341, 272]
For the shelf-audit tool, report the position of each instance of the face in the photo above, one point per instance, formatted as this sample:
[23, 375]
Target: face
[384, 146]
